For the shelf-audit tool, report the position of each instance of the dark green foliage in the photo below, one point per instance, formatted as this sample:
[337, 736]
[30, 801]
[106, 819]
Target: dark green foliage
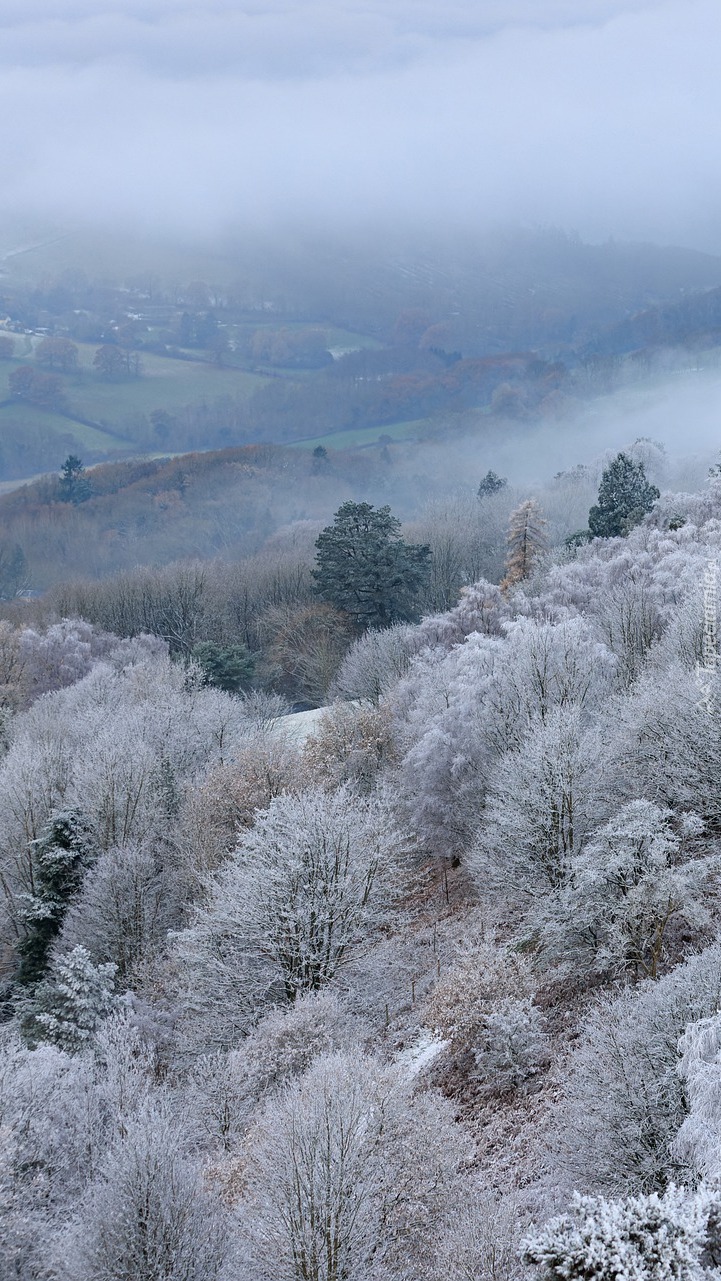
[624, 498]
[74, 481]
[60, 857]
[13, 571]
[491, 484]
[320, 460]
[364, 567]
[230, 667]
[576, 540]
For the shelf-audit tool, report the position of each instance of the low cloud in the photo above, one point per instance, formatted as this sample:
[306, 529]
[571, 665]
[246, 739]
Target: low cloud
[598, 117]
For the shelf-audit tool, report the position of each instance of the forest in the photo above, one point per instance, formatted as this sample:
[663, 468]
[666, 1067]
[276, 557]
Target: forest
[360, 689]
[422, 982]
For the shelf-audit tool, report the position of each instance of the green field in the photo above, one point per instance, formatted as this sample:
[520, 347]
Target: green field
[355, 437]
[163, 384]
[88, 437]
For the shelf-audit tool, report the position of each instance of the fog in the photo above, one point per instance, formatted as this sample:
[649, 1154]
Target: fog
[187, 117]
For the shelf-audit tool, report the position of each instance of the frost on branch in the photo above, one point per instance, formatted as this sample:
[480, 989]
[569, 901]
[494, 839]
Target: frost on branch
[67, 1007]
[306, 887]
[645, 1238]
[349, 1175]
[484, 1006]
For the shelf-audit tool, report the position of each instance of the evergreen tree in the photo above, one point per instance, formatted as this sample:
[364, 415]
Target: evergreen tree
[526, 541]
[68, 1005]
[364, 567]
[74, 481]
[491, 484]
[228, 667]
[624, 498]
[59, 856]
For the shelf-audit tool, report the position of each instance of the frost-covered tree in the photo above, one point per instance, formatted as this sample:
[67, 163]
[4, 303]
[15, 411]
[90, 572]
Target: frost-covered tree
[483, 1005]
[542, 801]
[148, 1214]
[67, 1006]
[526, 542]
[128, 903]
[631, 882]
[59, 858]
[644, 1238]
[49, 1123]
[699, 1138]
[622, 1098]
[351, 744]
[225, 1088]
[375, 662]
[306, 886]
[669, 745]
[349, 1175]
[462, 710]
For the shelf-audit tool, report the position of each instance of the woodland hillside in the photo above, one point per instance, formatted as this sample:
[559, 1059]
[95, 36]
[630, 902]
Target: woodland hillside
[385, 998]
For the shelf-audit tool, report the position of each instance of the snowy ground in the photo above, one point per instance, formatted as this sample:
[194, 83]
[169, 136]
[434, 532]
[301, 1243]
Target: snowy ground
[299, 725]
[421, 1053]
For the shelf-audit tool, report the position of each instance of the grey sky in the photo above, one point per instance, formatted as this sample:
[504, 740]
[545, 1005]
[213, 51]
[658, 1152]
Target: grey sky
[598, 115]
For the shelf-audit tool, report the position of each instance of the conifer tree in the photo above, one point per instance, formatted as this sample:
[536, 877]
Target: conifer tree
[491, 484]
[74, 481]
[60, 856]
[624, 498]
[526, 541]
[67, 1007]
[364, 567]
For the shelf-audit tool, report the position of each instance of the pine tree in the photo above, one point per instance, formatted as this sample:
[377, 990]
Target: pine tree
[59, 856]
[68, 1005]
[526, 541]
[228, 667]
[491, 484]
[74, 481]
[624, 498]
[364, 567]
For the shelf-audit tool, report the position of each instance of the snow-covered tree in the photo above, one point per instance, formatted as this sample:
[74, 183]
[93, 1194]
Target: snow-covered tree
[225, 1088]
[67, 1006]
[624, 498]
[622, 1099]
[699, 1138]
[59, 858]
[129, 901]
[306, 886]
[541, 803]
[351, 744]
[375, 662]
[484, 1006]
[49, 1123]
[526, 540]
[631, 882]
[148, 1214]
[644, 1238]
[349, 1175]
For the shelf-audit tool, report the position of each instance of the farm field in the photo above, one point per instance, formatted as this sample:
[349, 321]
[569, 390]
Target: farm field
[357, 437]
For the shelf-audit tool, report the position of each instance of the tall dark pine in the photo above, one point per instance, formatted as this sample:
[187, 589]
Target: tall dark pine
[624, 498]
[59, 857]
[491, 484]
[74, 481]
[364, 567]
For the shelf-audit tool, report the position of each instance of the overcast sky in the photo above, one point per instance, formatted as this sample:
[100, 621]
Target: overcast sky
[601, 116]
